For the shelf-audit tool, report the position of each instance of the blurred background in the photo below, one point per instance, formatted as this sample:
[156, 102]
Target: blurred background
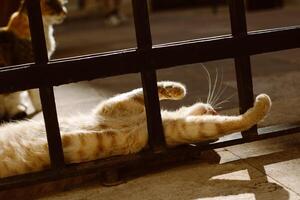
[94, 26]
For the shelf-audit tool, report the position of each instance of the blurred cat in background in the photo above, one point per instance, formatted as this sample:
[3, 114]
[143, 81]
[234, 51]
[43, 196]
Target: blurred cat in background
[16, 48]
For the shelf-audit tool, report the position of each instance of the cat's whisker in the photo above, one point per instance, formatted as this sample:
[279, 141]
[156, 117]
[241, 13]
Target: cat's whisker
[208, 77]
[214, 87]
[219, 95]
[225, 100]
[222, 102]
[215, 99]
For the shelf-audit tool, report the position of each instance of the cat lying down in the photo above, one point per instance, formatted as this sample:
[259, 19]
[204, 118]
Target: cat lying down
[117, 126]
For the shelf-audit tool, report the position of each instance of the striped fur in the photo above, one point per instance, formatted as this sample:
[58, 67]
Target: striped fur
[117, 126]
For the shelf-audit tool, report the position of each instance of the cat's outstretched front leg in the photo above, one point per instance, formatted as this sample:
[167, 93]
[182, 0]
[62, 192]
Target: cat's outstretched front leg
[180, 130]
[132, 103]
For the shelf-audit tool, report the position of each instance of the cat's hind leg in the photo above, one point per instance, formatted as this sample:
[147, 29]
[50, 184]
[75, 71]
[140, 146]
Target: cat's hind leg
[132, 103]
[35, 99]
[180, 130]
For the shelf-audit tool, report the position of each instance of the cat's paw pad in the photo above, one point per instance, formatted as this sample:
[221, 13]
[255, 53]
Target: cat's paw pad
[171, 90]
[264, 102]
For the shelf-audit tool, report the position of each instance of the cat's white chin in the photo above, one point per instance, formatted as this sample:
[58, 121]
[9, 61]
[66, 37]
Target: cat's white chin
[51, 20]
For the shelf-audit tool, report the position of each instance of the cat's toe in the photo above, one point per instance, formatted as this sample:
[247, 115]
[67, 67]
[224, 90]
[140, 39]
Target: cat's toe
[177, 91]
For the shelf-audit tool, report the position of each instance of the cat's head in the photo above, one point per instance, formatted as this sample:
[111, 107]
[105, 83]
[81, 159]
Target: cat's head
[53, 11]
[202, 109]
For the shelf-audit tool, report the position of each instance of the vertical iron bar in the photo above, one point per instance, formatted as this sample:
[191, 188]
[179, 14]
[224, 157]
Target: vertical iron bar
[148, 76]
[46, 93]
[242, 63]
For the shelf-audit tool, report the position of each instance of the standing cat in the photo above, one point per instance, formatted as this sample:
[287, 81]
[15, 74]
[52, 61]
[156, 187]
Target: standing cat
[16, 48]
[118, 126]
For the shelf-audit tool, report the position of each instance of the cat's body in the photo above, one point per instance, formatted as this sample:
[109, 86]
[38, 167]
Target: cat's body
[118, 127]
[16, 48]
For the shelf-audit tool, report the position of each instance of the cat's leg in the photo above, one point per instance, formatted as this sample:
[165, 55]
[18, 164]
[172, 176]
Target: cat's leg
[35, 99]
[13, 106]
[132, 102]
[180, 130]
[194, 110]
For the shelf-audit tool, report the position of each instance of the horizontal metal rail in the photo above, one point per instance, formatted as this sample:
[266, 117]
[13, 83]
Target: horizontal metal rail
[162, 56]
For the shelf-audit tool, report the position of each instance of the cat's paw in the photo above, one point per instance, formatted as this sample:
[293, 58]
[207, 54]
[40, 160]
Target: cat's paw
[171, 90]
[263, 103]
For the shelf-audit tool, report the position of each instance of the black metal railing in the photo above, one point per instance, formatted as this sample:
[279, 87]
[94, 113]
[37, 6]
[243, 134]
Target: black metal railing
[145, 59]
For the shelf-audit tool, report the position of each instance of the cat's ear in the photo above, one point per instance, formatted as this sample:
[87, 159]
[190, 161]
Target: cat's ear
[22, 7]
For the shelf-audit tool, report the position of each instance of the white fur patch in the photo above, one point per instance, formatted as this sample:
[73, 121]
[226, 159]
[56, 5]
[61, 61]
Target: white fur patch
[209, 129]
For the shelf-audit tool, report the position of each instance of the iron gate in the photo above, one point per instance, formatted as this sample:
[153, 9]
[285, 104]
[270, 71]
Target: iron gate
[145, 59]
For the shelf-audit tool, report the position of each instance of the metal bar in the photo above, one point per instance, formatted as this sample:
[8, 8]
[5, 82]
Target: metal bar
[162, 56]
[242, 63]
[263, 133]
[145, 157]
[148, 75]
[142, 25]
[46, 93]
[222, 47]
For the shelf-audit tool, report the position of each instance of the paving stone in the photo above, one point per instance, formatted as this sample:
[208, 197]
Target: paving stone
[234, 179]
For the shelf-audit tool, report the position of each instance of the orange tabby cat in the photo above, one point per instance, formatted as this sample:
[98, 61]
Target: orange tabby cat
[16, 48]
[118, 126]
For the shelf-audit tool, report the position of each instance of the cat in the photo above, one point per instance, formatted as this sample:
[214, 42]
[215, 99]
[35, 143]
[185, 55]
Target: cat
[16, 48]
[117, 126]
